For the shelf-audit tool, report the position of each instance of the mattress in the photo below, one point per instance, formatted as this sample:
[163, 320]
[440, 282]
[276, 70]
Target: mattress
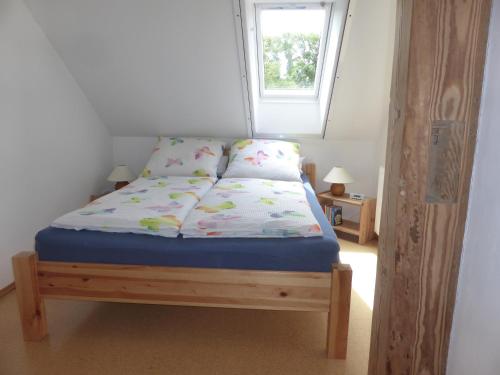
[312, 254]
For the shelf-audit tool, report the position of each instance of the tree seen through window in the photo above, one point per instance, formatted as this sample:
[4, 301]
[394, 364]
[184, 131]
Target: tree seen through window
[290, 61]
[291, 42]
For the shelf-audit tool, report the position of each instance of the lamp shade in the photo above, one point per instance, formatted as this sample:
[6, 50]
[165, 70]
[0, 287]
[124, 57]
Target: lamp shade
[338, 175]
[121, 173]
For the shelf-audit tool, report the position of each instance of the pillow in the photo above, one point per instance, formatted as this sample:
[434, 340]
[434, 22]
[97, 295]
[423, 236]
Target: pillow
[221, 168]
[185, 157]
[264, 158]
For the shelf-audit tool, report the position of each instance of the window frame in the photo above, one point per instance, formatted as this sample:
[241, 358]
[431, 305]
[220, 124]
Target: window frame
[266, 94]
[258, 125]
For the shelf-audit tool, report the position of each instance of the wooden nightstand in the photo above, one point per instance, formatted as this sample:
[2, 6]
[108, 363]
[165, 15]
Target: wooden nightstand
[365, 229]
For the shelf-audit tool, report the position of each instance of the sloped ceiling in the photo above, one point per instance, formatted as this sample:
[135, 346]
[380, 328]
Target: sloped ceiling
[152, 67]
[360, 104]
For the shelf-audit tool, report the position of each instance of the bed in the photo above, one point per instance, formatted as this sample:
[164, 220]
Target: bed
[273, 274]
[315, 254]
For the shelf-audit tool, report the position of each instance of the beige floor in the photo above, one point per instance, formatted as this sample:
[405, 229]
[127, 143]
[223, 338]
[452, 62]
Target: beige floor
[107, 338]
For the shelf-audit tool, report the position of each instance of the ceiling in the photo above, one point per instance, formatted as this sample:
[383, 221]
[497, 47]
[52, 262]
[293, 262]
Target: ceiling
[149, 67]
[157, 67]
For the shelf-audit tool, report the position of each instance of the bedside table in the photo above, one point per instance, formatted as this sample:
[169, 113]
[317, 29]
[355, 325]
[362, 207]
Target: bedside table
[365, 229]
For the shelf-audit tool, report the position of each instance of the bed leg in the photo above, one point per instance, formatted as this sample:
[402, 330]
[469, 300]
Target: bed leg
[31, 306]
[338, 316]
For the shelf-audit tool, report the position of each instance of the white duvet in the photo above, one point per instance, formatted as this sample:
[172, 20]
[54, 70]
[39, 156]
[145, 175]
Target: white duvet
[155, 205]
[247, 207]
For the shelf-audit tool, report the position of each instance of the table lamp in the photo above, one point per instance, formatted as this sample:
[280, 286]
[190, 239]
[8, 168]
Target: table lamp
[121, 175]
[338, 176]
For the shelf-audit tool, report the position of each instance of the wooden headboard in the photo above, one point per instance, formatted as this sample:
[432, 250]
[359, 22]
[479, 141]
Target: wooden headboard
[308, 168]
[310, 171]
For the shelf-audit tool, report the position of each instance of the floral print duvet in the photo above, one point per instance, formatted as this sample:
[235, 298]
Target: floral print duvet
[250, 207]
[154, 205]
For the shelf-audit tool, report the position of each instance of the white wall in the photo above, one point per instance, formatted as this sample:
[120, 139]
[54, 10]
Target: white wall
[356, 156]
[475, 338]
[360, 103]
[152, 67]
[148, 68]
[172, 67]
[359, 114]
[54, 150]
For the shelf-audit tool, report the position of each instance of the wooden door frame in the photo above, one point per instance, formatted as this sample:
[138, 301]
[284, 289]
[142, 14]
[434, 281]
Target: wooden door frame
[437, 77]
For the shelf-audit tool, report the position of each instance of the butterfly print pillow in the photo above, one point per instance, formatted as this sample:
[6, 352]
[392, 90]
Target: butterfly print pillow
[264, 158]
[175, 156]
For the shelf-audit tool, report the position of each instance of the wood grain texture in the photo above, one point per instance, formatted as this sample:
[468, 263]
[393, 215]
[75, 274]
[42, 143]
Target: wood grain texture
[310, 171]
[271, 290]
[437, 77]
[381, 334]
[338, 316]
[367, 221]
[30, 302]
[328, 196]
[7, 289]
[365, 229]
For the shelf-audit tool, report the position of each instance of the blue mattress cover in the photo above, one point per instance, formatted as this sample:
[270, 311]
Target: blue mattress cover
[313, 254]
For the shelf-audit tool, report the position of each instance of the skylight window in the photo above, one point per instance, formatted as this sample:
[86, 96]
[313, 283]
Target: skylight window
[289, 52]
[291, 46]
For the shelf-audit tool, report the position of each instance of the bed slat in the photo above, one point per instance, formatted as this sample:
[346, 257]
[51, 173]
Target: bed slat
[270, 290]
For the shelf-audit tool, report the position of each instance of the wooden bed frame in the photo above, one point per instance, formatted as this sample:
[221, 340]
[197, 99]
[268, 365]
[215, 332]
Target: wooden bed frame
[268, 290]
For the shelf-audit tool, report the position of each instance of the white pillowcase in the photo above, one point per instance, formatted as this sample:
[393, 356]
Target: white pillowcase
[264, 158]
[185, 157]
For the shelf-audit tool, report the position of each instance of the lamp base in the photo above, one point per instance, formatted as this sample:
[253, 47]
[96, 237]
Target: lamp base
[120, 184]
[337, 189]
